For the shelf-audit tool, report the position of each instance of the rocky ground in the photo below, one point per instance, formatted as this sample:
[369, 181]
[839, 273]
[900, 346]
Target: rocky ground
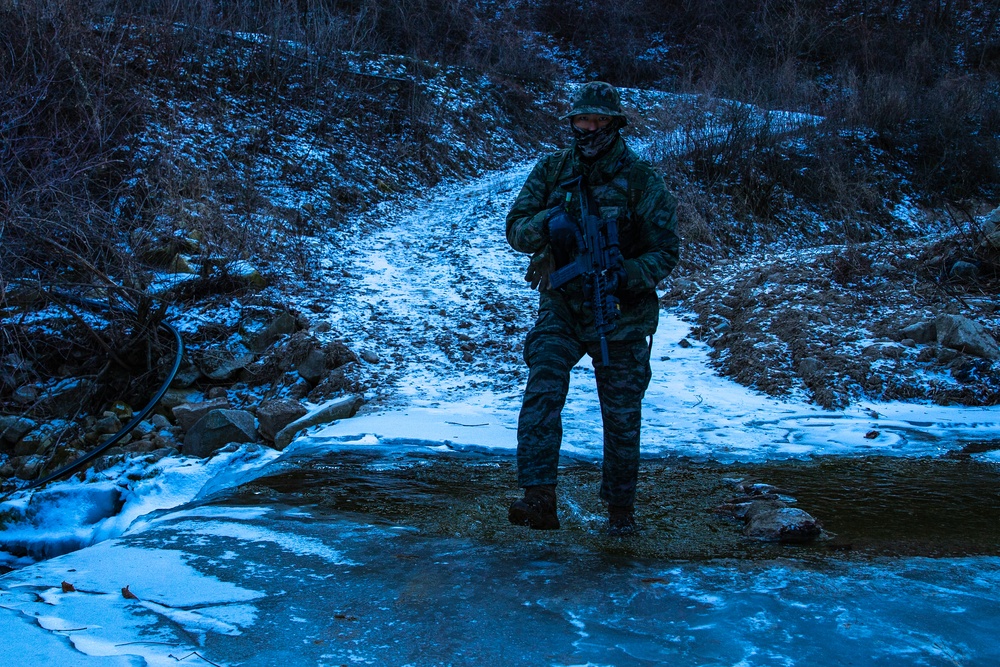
[909, 320]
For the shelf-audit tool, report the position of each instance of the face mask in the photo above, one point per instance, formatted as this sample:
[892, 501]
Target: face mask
[595, 142]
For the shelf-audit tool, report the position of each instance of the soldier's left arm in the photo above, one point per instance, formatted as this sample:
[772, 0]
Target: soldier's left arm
[656, 214]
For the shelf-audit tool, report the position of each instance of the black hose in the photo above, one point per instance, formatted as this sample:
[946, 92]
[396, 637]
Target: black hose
[89, 456]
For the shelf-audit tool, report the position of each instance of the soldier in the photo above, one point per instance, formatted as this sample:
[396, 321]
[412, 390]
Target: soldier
[616, 185]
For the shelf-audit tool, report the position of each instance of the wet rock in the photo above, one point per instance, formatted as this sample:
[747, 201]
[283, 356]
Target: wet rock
[273, 416]
[12, 429]
[962, 334]
[921, 332]
[224, 361]
[781, 524]
[341, 408]
[217, 429]
[188, 414]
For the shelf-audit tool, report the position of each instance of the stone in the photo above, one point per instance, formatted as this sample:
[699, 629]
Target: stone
[108, 424]
[122, 410]
[962, 334]
[160, 422]
[370, 356]
[179, 264]
[26, 394]
[273, 416]
[217, 392]
[12, 428]
[188, 414]
[66, 396]
[341, 408]
[223, 362]
[217, 429]
[810, 367]
[260, 329]
[314, 367]
[908, 342]
[174, 397]
[187, 375]
[781, 524]
[964, 270]
[921, 332]
[246, 273]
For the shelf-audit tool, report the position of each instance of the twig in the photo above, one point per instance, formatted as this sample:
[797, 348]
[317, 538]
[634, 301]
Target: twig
[79, 320]
[194, 653]
[468, 425]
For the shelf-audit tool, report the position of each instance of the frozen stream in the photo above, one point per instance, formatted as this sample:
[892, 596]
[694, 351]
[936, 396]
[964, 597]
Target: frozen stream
[382, 539]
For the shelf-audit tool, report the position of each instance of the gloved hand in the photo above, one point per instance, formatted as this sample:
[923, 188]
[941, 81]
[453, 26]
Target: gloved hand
[539, 268]
[564, 236]
[616, 278]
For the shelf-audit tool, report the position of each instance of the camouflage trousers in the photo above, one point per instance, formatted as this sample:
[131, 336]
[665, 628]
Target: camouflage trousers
[551, 350]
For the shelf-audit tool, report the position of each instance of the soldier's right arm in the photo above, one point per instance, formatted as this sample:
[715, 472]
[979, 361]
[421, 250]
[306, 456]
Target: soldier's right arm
[526, 221]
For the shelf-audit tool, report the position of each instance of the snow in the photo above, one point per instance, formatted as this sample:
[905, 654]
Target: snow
[220, 580]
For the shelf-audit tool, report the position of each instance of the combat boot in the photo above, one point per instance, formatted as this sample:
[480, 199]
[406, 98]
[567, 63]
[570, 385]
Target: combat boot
[621, 520]
[537, 509]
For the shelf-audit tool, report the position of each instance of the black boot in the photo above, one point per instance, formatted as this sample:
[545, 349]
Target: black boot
[537, 509]
[621, 520]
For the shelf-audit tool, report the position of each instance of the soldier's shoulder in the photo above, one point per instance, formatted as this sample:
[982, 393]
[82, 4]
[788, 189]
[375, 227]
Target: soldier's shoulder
[554, 158]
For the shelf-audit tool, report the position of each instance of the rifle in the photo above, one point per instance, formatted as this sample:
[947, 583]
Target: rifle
[597, 253]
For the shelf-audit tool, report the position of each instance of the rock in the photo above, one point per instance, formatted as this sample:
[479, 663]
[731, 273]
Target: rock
[187, 374]
[964, 271]
[313, 368]
[263, 327]
[122, 410]
[781, 524]
[12, 429]
[341, 408]
[276, 415]
[217, 392]
[370, 356]
[300, 389]
[66, 396]
[39, 440]
[992, 240]
[187, 414]
[946, 355]
[223, 362]
[962, 334]
[921, 332]
[179, 264]
[927, 354]
[685, 343]
[174, 397]
[160, 422]
[109, 423]
[29, 467]
[26, 394]
[245, 273]
[908, 342]
[810, 368]
[217, 429]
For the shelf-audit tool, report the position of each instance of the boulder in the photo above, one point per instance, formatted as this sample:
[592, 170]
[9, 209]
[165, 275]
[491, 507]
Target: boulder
[217, 429]
[341, 408]
[187, 414]
[273, 416]
[223, 362]
[962, 334]
[921, 332]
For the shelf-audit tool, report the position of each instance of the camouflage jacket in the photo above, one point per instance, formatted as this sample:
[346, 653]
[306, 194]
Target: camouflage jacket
[624, 187]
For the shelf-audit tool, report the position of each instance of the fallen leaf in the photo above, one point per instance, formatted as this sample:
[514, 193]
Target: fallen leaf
[871, 435]
[128, 595]
[68, 587]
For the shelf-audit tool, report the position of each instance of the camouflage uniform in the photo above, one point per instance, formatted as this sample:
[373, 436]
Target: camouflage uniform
[624, 187]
